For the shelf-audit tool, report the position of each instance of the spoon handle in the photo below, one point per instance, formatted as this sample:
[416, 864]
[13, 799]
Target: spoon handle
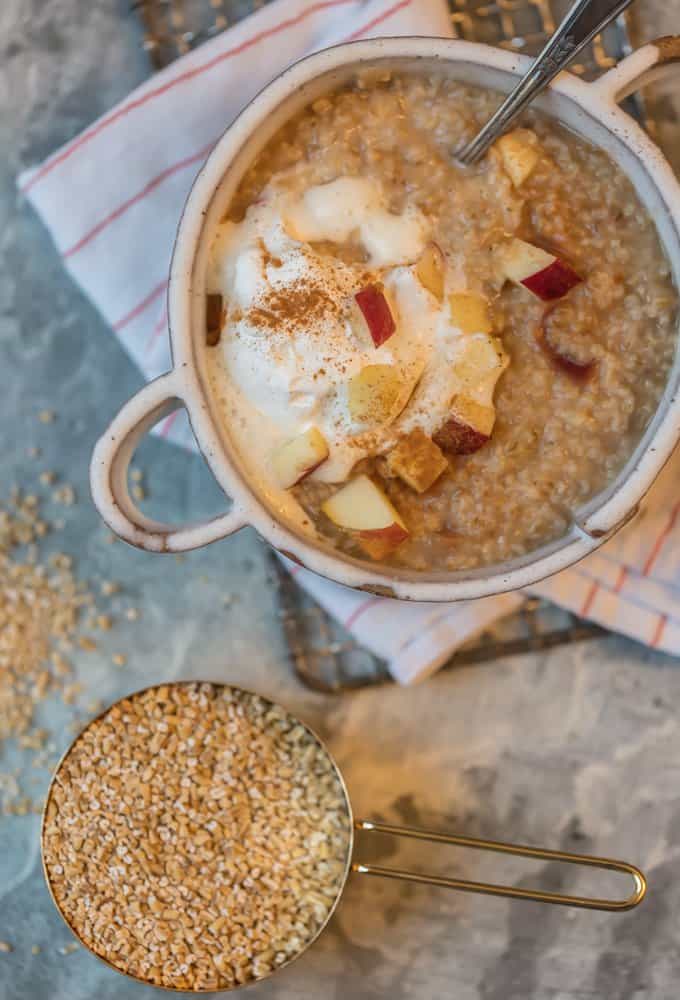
[583, 21]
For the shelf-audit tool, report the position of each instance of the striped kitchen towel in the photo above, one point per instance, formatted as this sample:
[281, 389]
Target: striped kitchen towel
[111, 199]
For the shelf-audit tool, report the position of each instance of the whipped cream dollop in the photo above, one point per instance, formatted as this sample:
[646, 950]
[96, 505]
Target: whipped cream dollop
[293, 337]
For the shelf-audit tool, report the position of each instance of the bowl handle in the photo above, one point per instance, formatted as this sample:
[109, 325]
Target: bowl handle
[648, 64]
[109, 468]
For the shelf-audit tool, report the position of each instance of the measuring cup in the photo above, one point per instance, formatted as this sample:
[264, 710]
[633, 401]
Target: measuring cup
[357, 867]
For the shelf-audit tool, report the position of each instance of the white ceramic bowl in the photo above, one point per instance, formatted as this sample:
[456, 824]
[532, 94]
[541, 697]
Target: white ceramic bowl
[589, 109]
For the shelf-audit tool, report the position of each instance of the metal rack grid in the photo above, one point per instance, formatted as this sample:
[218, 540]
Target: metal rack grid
[173, 27]
[323, 654]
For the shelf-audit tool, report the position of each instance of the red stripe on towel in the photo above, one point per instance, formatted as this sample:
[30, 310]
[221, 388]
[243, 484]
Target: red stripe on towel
[364, 606]
[136, 198]
[139, 102]
[168, 422]
[590, 597]
[659, 630]
[378, 20]
[621, 579]
[661, 540]
[158, 329]
[141, 306]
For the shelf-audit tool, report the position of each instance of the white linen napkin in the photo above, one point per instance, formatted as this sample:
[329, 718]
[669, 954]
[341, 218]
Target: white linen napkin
[111, 199]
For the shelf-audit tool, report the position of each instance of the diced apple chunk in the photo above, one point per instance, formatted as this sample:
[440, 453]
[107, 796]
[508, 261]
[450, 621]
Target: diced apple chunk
[380, 544]
[376, 311]
[430, 269]
[459, 439]
[362, 506]
[479, 366]
[542, 273]
[214, 318]
[417, 460]
[299, 457]
[520, 153]
[470, 312]
[519, 260]
[472, 415]
[373, 394]
[579, 370]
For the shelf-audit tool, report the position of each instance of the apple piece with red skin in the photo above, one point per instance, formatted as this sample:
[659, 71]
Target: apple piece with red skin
[541, 273]
[431, 269]
[578, 371]
[472, 415]
[296, 459]
[467, 428]
[458, 438]
[376, 311]
[381, 543]
[361, 506]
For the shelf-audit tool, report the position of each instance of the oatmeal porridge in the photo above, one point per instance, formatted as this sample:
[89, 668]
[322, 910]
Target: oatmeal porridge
[428, 365]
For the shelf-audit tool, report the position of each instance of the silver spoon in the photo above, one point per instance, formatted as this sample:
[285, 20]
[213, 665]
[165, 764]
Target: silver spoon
[586, 19]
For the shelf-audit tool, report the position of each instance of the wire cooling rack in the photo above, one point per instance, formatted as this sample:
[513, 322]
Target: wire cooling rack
[173, 27]
[323, 654]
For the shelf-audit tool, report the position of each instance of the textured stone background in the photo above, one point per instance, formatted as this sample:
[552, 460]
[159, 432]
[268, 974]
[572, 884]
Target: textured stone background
[578, 748]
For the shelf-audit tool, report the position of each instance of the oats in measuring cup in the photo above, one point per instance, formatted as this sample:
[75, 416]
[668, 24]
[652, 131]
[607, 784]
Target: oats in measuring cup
[196, 836]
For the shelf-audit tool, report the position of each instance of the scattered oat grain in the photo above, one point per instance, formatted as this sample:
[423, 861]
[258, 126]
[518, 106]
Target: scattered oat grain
[6, 947]
[59, 560]
[65, 495]
[71, 692]
[119, 659]
[46, 416]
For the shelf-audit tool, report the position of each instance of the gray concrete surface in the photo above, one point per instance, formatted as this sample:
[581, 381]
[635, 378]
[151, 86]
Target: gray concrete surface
[579, 748]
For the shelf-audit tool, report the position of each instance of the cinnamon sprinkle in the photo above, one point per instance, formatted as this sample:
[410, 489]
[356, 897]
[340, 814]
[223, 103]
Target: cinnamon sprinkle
[290, 307]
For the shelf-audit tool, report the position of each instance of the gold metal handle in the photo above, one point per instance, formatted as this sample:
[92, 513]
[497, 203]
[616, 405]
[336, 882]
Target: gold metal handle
[491, 889]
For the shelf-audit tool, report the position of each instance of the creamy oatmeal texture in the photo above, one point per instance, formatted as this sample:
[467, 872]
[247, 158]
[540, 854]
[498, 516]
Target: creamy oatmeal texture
[431, 366]
[196, 836]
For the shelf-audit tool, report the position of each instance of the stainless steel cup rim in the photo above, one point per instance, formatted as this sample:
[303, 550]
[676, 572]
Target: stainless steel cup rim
[368, 826]
[213, 684]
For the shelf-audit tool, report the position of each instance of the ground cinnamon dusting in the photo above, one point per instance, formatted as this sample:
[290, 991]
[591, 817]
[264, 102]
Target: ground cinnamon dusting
[288, 309]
